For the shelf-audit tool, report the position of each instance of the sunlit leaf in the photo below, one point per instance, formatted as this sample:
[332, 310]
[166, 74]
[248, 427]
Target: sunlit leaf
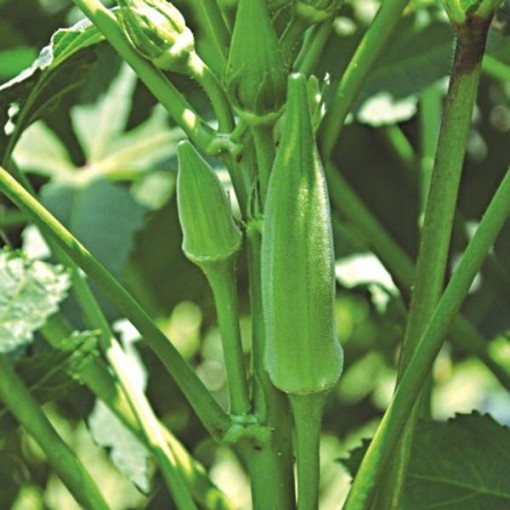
[59, 68]
[30, 291]
[102, 215]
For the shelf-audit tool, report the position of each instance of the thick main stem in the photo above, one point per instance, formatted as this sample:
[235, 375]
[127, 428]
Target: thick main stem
[437, 229]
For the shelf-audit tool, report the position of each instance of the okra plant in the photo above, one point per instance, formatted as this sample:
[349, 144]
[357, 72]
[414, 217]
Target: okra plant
[255, 255]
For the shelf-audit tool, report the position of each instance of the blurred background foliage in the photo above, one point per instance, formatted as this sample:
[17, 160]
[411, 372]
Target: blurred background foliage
[103, 160]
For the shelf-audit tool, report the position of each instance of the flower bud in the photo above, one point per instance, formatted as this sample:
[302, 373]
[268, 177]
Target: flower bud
[302, 354]
[210, 233]
[255, 75]
[158, 31]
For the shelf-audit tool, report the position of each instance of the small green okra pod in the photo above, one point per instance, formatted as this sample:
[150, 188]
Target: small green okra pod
[210, 232]
[302, 354]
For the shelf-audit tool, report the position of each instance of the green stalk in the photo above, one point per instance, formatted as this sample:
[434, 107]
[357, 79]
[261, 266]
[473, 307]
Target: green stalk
[215, 28]
[214, 418]
[371, 46]
[28, 412]
[173, 101]
[290, 41]
[271, 406]
[430, 114]
[269, 490]
[313, 46]
[221, 276]
[495, 68]
[137, 401]
[418, 369]
[265, 152]
[307, 411]
[437, 227]
[199, 71]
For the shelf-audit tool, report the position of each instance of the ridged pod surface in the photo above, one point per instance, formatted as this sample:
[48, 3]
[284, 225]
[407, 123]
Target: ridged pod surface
[210, 233]
[302, 354]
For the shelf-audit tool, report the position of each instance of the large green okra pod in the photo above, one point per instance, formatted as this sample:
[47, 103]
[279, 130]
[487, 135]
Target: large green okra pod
[302, 353]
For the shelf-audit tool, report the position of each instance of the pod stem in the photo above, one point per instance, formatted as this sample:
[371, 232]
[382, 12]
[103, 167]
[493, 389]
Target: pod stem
[265, 153]
[221, 277]
[307, 411]
[202, 73]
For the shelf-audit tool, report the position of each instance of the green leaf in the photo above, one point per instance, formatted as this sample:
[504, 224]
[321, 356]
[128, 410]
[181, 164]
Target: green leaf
[40, 151]
[30, 291]
[97, 124]
[59, 68]
[463, 464]
[102, 215]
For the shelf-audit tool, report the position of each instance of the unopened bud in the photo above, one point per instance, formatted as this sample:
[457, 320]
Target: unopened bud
[158, 31]
[255, 75]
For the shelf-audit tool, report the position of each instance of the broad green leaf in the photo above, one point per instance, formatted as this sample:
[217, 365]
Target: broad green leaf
[143, 148]
[40, 151]
[102, 215]
[30, 291]
[59, 68]
[463, 464]
[97, 124]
